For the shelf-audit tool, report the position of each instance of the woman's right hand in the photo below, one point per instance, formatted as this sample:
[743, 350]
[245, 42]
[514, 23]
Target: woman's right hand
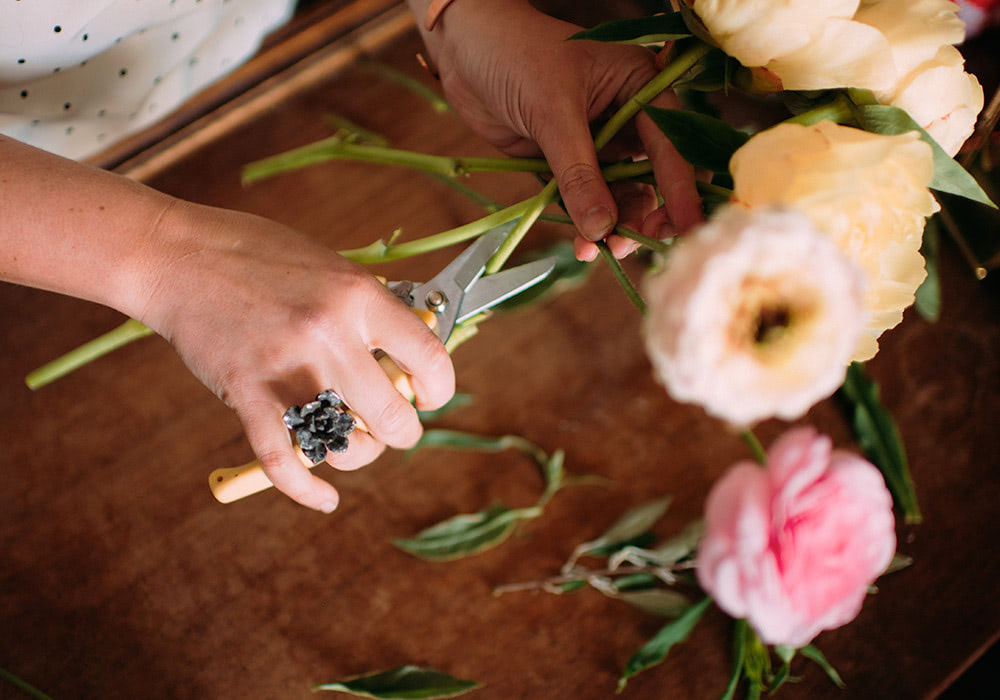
[267, 318]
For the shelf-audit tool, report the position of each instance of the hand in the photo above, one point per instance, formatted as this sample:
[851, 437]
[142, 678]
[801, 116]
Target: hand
[267, 318]
[508, 71]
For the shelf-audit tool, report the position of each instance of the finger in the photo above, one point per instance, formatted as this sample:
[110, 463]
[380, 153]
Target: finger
[584, 250]
[362, 450]
[620, 246]
[674, 175]
[635, 202]
[364, 386]
[269, 438]
[567, 144]
[415, 349]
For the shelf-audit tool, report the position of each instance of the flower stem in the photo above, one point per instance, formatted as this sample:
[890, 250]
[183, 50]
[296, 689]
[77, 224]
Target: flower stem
[438, 103]
[754, 444]
[661, 247]
[626, 284]
[88, 352]
[336, 147]
[839, 110]
[23, 685]
[667, 77]
[549, 583]
[533, 209]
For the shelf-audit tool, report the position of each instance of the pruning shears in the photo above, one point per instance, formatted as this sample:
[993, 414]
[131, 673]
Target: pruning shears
[457, 293]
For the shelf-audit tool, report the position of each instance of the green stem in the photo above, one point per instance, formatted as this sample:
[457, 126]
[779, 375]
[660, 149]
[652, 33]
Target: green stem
[353, 132]
[88, 352]
[381, 252]
[336, 147]
[667, 77]
[654, 244]
[626, 284]
[438, 103]
[23, 685]
[533, 209]
[463, 189]
[839, 109]
[754, 444]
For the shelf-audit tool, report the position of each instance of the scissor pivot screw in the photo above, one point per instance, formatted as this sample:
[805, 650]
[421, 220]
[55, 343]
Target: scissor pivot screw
[436, 300]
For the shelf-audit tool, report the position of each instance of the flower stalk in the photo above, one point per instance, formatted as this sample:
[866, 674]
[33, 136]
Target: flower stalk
[626, 284]
[88, 352]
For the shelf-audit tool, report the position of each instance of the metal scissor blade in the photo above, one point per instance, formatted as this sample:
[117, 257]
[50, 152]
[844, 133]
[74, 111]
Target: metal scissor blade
[470, 263]
[490, 291]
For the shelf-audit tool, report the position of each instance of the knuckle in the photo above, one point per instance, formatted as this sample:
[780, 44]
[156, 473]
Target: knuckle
[577, 177]
[397, 420]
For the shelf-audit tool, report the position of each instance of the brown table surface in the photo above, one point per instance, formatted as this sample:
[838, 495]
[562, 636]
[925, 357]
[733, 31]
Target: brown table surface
[120, 576]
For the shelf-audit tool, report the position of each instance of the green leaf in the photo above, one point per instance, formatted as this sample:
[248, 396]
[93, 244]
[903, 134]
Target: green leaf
[459, 440]
[640, 30]
[636, 521]
[466, 534]
[457, 401]
[703, 141]
[949, 176]
[656, 601]
[657, 648]
[739, 653]
[879, 438]
[636, 582]
[403, 683]
[928, 299]
[639, 541]
[814, 654]
[570, 586]
[554, 472]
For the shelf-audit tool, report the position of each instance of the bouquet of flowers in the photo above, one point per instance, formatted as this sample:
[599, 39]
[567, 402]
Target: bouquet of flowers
[811, 251]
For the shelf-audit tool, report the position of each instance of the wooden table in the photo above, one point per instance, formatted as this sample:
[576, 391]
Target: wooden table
[120, 576]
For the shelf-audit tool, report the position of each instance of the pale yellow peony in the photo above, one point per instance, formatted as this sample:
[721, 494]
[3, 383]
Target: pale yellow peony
[754, 315]
[941, 97]
[930, 79]
[868, 192]
[807, 45]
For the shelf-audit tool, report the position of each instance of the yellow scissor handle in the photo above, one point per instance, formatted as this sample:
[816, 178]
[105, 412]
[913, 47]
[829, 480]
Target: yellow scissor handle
[233, 483]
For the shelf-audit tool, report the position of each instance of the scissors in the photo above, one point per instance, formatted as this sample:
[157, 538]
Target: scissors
[457, 293]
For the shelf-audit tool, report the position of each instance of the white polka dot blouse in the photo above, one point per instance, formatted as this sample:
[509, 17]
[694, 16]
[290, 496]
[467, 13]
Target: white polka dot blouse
[78, 75]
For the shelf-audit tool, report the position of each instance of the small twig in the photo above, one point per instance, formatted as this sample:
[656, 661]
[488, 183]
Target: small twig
[554, 581]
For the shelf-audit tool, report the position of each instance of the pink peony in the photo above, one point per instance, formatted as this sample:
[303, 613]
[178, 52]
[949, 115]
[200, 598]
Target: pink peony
[793, 548]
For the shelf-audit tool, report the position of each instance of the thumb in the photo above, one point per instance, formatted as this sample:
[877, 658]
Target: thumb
[569, 149]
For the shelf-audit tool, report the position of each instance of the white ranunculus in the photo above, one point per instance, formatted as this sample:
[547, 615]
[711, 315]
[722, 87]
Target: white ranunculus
[941, 97]
[755, 315]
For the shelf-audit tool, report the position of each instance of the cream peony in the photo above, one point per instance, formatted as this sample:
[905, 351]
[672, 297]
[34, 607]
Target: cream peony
[793, 547]
[868, 192]
[915, 29]
[755, 315]
[941, 97]
[806, 45]
[930, 79]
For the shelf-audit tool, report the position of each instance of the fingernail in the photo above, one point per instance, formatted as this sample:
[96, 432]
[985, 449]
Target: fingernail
[665, 231]
[597, 222]
[328, 506]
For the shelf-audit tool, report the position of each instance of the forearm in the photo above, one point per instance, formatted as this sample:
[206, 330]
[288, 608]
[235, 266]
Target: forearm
[76, 230]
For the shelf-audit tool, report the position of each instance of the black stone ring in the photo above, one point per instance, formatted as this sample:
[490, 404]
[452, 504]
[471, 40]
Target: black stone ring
[320, 426]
